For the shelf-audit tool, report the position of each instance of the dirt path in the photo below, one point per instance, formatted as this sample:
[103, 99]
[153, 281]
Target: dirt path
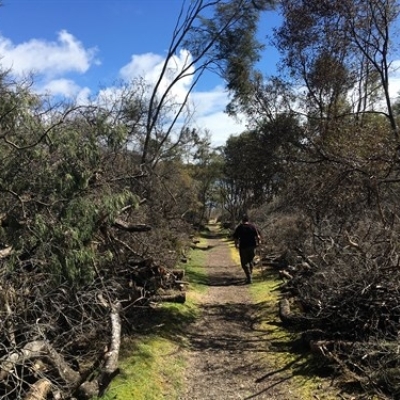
[228, 352]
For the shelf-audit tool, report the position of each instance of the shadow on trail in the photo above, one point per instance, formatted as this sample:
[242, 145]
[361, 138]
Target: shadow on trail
[240, 339]
[217, 280]
[301, 365]
[213, 335]
[214, 235]
[243, 337]
[237, 338]
[226, 279]
[222, 280]
[215, 232]
[205, 248]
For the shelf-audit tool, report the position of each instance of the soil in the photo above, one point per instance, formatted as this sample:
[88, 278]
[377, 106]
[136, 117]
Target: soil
[229, 356]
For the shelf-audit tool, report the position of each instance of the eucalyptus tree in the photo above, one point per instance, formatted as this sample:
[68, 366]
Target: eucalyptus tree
[210, 35]
[244, 165]
[338, 56]
[341, 48]
[345, 181]
[205, 168]
[258, 163]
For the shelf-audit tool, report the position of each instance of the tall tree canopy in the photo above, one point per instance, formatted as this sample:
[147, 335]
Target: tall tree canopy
[337, 46]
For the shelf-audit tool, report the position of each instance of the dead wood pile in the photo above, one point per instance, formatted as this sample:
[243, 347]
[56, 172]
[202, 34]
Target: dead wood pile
[344, 303]
[62, 342]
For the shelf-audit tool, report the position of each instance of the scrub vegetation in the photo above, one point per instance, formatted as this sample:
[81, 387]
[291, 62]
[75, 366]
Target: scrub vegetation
[101, 203]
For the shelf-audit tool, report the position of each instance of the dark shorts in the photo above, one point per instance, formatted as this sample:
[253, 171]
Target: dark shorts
[247, 255]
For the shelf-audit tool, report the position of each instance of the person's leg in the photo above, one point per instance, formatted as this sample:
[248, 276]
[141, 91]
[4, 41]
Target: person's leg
[252, 254]
[245, 261]
[247, 272]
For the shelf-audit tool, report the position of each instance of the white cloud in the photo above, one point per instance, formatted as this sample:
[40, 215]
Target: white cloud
[221, 126]
[142, 65]
[61, 87]
[210, 114]
[83, 97]
[394, 82]
[42, 57]
[149, 67]
[51, 61]
[208, 102]
[208, 106]
[66, 88]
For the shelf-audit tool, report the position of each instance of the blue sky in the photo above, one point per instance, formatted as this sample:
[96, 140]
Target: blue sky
[76, 47]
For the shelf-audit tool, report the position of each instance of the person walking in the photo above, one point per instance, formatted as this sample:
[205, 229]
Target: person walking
[247, 237]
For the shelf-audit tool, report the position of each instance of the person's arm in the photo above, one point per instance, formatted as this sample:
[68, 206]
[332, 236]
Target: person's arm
[258, 236]
[236, 237]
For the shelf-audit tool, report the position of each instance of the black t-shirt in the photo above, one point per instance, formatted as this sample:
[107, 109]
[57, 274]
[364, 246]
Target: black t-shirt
[247, 235]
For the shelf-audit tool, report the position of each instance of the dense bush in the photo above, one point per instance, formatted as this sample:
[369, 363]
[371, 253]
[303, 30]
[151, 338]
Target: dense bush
[87, 235]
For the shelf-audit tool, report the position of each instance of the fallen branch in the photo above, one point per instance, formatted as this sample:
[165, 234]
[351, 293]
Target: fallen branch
[288, 318]
[306, 259]
[6, 252]
[39, 390]
[179, 297]
[42, 350]
[118, 223]
[112, 356]
[285, 275]
[97, 387]
[111, 366]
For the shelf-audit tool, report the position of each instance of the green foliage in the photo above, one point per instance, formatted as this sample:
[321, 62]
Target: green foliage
[334, 48]
[56, 195]
[69, 243]
[66, 244]
[230, 37]
[256, 161]
[111, 204]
